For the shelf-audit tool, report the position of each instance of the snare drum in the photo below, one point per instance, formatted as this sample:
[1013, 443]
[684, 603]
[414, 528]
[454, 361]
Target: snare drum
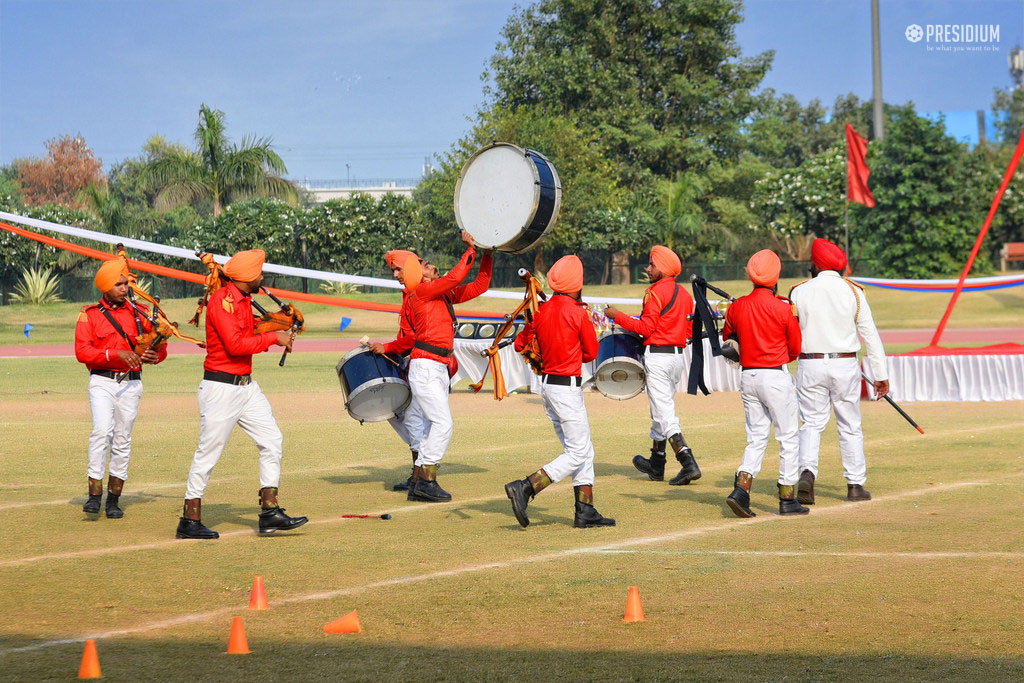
[507, 197]
[373, 387]
[620, 370]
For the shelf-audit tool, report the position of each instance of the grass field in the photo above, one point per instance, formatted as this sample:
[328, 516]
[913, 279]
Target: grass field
[922, 583]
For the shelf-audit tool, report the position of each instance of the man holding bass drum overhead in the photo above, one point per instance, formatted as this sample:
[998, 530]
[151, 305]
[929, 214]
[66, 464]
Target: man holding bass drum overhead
[665, 326]
[432, 362]
[566, 339]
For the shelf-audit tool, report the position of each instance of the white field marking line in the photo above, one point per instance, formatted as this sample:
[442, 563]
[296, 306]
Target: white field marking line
[989, 554]
[502, 564]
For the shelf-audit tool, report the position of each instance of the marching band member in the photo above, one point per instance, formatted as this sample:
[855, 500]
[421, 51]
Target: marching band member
[566, 338]
[666, 330]
[229, 396]
[410, 423]
[833, 311]
[432, 361]
[104, 342]
[769, 338]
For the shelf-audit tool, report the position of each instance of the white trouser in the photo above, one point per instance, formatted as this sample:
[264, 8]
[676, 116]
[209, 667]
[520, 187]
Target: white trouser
[664, 371]
[114, 408]
[768, 397]
[824, 384]
[429, 383]
[410, 424]
[221, 407]
[568, 414]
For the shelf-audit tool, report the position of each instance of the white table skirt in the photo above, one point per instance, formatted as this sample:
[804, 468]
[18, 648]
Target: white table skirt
[718, 374]
[956, 378]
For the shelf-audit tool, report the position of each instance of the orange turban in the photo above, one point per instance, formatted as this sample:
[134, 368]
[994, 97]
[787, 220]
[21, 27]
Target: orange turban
[764, 267]
[566, 275]
[245, 266]
[665, 260]
[108, 274]
[412, 272]
[827, 256]
[396, 257]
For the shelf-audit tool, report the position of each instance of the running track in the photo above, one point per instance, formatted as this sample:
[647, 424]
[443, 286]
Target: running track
[922, 336]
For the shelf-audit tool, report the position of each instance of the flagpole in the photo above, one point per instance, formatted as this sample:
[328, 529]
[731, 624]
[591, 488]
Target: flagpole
[846, 209]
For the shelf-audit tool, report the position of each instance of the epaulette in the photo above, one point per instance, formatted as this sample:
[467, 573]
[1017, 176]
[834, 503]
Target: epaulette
[797, 285]
[783, 298]
[83, 316]
[855, 284]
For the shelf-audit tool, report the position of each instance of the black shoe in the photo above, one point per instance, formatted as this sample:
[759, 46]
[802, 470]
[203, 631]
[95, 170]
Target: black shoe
[653, 467]
[403, 485]
[689, 472]
[587, 516]
[805, 488]
[92, 506]
[739, 501]
[792, 507]
[428, 491]
[112, 511]
[274, 519]
[856, 492]
[519, 492]
[193, 528]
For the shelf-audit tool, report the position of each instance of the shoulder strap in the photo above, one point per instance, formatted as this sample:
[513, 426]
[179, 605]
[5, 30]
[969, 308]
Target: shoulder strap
[675, 293]
[106, 314]
[853, 288]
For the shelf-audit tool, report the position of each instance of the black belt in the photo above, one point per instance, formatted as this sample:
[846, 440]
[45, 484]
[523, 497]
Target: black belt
[563, 380]
[817, 356]
[134, 374]
[774, 367]
[666, 349]
[227, 378]
[439, 350]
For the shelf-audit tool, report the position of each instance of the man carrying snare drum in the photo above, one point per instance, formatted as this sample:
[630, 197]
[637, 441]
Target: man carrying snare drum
[666, 329]
[410, 424]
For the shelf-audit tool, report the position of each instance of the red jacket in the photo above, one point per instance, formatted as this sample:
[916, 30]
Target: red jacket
[405, 338]
[431, 303]
[766, 327]
[230, 340]
[670, 329]
[96, 340]
[565, 335]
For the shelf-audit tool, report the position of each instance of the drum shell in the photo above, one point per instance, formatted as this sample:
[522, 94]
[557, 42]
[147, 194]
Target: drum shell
[546, 200]
[620, 372]
[373, 387]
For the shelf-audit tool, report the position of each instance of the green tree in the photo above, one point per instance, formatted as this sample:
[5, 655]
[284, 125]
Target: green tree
[660, 82]
[217, 170]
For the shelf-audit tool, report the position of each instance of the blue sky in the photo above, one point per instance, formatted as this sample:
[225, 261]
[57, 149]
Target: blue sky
[361, 89]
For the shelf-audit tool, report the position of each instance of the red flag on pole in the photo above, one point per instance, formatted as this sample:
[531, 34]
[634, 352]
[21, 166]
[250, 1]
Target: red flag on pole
[857, 170]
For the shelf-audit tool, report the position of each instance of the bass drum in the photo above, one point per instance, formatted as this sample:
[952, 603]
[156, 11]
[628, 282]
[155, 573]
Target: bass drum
[620, 370]
[507, 197]
[373, 386]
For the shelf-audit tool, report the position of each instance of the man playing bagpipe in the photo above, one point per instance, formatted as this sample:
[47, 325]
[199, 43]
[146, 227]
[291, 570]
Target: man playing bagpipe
[566, 340]
[769, 338]
[229, 396]
[106, 336]
[665, 327]
[410, 424]
[432, 361]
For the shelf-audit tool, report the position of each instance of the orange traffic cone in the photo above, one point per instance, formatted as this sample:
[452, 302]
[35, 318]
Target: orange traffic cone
[90, 667]
[237, 644]
[347, 624]
[634, 610]
[258, 598]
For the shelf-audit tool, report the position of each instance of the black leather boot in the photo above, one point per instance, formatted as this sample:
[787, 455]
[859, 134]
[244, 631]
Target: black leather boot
[689, 471]
[274, 519]
[739, 499]
[519, 492]
[114, 487]
[856, 492]
[805, 488]
[405, 485]
[92, 506]
[189, 525]
[587, 515]
[653, 467]
[788, 504]
[425, 487]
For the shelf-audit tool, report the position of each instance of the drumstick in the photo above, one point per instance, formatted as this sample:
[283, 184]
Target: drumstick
[365, 341]
[367, 516]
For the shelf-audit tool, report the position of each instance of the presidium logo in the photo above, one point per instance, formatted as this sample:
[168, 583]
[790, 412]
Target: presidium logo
[955, 37]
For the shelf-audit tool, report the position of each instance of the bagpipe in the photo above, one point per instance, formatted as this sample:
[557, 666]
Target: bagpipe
[287, 319]
[161, 328]
[531, 352]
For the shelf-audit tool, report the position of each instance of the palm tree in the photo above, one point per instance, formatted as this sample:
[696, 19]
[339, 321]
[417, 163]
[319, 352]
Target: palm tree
[218, 170]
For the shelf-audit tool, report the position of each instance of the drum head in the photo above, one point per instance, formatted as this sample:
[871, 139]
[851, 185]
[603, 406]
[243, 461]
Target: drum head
[620, 378]
[378, 400]
[496, 195]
